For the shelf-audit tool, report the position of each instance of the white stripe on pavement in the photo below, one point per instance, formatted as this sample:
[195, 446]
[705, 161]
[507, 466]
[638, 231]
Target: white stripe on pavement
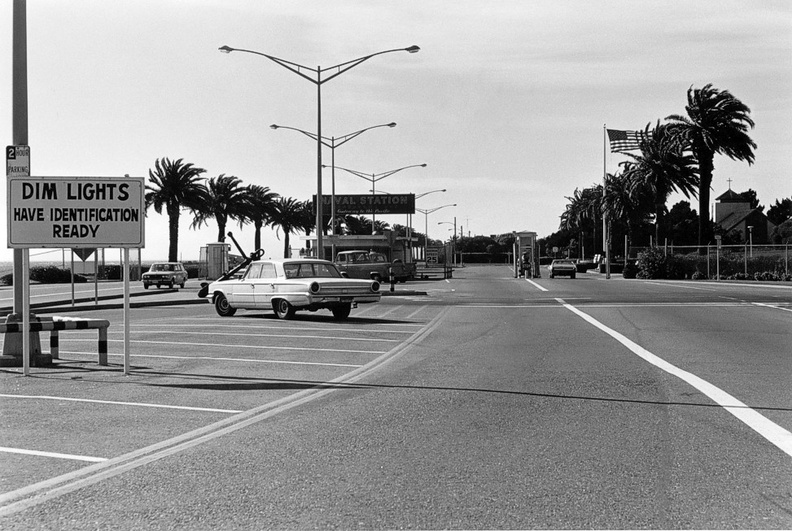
[138, 404]
[757, 422]
[53, 454]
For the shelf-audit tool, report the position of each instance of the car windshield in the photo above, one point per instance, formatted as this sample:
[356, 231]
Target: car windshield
[310, 270]
[163, 267]
[563, 261]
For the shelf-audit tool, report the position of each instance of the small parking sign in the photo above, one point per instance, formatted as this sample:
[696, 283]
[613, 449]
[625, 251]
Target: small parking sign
[17, 161]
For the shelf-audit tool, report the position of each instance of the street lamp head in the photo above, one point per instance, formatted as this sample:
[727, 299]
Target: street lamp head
[423, 165]
[392, 124]
[226, 49]
[274, 126]
[412, 49]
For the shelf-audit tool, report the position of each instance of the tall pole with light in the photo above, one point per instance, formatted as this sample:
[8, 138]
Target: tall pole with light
[426, 223]
[317, 79]
[373, 178]
[333, 142]
[453, 240]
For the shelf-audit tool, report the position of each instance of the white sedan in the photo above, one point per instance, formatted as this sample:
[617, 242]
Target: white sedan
[288, 285]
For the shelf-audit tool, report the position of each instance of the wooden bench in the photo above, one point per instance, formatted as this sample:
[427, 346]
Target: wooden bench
[56, 323]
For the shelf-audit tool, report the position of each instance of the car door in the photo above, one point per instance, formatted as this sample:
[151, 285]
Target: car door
[265, 286]
[245, 290]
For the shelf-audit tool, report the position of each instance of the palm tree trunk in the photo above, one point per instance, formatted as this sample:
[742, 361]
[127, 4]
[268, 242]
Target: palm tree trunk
[257, 235]
[173, 232]
[286, 244]
[705, 158]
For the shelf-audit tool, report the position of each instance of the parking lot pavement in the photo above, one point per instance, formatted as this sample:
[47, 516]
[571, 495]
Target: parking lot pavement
[190, 369]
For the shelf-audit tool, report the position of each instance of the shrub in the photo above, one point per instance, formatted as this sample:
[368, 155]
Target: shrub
[53, 275]
[652, 263]
[698, 275]
[630, 270]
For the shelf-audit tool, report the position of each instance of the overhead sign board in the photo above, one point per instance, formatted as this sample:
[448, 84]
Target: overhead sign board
[17, 160]
[367, 204]
[75, 212]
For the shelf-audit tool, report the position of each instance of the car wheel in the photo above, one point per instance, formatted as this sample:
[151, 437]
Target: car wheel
[551, 275]
[182, 285]
[342, 312]
[222, 307]
[572, 275]
[283, 309]
[170, 285]
[145, 286]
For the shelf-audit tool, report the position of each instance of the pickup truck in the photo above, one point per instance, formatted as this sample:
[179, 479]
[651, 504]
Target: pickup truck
[366, 264]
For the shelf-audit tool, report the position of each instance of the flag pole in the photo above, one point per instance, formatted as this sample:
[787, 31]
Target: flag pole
[605, 245]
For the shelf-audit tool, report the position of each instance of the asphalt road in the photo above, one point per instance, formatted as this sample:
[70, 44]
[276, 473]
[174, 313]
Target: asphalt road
[487, 402]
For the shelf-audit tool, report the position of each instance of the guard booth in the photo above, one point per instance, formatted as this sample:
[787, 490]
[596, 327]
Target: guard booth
[526, 255]
[216, 259]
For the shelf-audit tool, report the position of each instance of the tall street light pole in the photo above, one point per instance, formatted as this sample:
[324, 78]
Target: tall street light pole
[332, 143]
[426, 222]
[373, 178]
[337, 70]
[453, 240]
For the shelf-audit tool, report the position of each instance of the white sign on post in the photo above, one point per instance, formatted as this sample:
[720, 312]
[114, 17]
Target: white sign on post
[76, 212]
[17, 160]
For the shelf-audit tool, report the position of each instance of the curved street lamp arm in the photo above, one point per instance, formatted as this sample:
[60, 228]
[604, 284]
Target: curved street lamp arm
[418, 196]
[343, 67]
[294, 67]
[298, 68]
[331, 143]
[346, 138]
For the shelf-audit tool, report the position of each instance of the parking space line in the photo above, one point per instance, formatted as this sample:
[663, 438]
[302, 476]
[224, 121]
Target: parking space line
[771, 306]
[53, 454]
[289, 336]
[114, 402]
[534, 284]
[768, 429]
[257, 347]
[213, 358]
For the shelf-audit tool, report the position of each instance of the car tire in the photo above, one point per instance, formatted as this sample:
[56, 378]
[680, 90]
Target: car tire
[342, 311]
[145, 286]
[572, 275]
[222, 307]
[282, 309]
[182, 285]
[551, 275]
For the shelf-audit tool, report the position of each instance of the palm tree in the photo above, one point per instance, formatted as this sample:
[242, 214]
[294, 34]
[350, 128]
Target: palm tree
[660, 169]
[625, 203]
[174, 185]
[584, 211]
[222, 199]
[258, 208]
[716, 122]
[289, 215]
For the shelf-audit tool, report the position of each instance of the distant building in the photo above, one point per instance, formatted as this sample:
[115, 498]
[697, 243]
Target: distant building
[733, 212]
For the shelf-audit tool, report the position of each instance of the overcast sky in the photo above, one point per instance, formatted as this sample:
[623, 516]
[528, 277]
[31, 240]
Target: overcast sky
[505, 102]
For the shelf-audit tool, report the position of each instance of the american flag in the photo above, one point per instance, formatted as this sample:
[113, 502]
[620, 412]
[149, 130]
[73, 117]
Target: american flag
[624, 140]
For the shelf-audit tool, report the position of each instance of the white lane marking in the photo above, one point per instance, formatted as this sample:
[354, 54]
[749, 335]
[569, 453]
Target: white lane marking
[291, 336]
[137, 404]
[771, 306]
[53, 454]
[259, 327]
[535, 284]
[257, 347]
[754, 420]
[214, 358]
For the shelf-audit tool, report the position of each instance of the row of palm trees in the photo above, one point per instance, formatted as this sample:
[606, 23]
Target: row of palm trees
[175, 185]
[675, 156]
